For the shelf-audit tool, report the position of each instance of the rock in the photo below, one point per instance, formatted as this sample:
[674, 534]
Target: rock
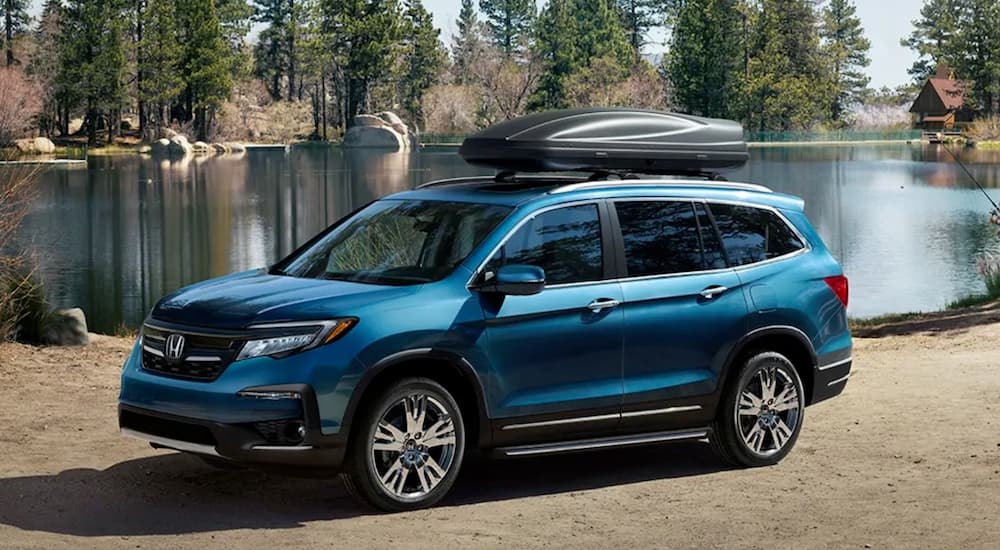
[235, 147]
[220, 148]
[167, 133]
[179, 146]
[145, 149]
[385, 131]
[44, 146]
[25, 145]
[66, 327]
[201, 148]
[160, 147]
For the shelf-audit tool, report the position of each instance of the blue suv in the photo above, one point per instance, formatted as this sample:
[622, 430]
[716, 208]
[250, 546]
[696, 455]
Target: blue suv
[523, 315]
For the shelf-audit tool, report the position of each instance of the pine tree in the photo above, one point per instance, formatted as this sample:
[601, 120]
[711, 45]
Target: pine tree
[556, 45]
[425, 58]
[160, 63]
[509, 22]
[847, 51]
[15, 21]
[638, 17]
[206, 62]
[976, 52]
[571, 35]
[705, 62]
[787, 85]
[44, 69]
[466, 45]
[932, 37]
[92, 59]
[363, 34]
[271, 55]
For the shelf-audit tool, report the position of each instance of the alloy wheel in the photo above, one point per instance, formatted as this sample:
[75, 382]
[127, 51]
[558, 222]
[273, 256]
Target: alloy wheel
[768, 410]
[413, 447]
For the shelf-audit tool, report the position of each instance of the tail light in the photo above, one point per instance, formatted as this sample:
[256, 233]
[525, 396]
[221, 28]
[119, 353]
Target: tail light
[838, 285]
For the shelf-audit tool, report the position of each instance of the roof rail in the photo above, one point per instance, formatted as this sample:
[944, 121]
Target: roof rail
[671, 183]
[502, 177]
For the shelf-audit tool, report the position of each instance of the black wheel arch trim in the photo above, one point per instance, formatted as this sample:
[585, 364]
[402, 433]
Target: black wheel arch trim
[461, 365]
[746, 342]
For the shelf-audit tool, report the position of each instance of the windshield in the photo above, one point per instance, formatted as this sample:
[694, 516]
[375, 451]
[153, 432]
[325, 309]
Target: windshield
[398, 242]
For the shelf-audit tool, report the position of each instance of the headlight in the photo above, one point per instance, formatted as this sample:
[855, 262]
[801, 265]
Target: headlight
[289, 338]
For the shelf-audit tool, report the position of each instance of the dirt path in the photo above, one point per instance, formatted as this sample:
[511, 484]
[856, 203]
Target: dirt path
[907, 457]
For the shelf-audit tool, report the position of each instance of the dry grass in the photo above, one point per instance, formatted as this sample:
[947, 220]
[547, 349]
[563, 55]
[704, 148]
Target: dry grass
[20, 295]
[984, 129]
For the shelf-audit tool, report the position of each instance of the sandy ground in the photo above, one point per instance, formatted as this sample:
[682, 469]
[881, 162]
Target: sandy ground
[907, 457]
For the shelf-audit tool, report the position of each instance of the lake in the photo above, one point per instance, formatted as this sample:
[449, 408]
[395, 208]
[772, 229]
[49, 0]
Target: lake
[115, 235]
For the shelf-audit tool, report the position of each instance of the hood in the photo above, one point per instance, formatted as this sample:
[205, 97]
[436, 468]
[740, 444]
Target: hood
[243, 299]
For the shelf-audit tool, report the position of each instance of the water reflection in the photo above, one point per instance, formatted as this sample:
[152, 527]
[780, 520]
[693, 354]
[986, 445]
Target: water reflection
[905, 220]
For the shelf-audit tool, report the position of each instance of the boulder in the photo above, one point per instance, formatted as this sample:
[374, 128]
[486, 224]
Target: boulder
[179, 146]
[201, 148]
[66, 327]
[386, 131]
[220, 148]
[44, 145]
[235, 147]
[25, 145]
[160, 146]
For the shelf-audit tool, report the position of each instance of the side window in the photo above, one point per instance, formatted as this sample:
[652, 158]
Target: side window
[565, 242]
[753, 235]
[660, 237]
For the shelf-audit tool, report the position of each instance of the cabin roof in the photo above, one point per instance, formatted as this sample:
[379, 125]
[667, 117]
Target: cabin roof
[940, 96]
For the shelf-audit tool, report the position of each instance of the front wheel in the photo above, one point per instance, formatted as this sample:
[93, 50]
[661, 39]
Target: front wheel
[760, 415]
[408, 448]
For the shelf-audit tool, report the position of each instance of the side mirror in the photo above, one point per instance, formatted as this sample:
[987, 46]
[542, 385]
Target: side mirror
[516, 280]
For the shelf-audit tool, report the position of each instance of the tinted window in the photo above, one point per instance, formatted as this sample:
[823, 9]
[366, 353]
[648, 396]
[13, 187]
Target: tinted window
[753, 234]
[714, 258]
[660, 237]
[566, 243]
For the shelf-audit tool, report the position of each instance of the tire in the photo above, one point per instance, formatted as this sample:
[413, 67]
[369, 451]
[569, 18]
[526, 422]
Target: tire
[771, 420]
[417, 456]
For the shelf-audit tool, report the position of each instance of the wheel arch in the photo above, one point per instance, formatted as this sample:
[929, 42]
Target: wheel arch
[452, 371]
[786, 340]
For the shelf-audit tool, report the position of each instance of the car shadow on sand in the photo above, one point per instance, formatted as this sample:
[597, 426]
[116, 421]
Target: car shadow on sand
[178, 494]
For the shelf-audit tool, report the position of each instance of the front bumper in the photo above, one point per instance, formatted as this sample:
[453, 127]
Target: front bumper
[295, 441]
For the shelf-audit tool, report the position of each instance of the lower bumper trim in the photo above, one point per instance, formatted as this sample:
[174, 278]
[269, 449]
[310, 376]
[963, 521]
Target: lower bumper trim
[604, 442]
[172, 443]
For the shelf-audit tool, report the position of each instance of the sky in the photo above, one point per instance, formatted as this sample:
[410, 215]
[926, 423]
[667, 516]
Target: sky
[885, 22]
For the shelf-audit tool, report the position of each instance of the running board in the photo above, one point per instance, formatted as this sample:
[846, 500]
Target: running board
[603, 442]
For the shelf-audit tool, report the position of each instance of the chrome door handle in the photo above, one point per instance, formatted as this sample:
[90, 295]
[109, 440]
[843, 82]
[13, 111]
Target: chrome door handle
[601, 304]
[712, 292]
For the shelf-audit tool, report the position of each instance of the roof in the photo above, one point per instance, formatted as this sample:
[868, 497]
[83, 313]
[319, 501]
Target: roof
[939, 96]
[541, 191]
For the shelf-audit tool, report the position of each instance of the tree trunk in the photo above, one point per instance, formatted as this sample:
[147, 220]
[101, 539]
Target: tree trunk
[293, 27]
[9, 27]
[322, 100]
[91, 122]
[139, 64]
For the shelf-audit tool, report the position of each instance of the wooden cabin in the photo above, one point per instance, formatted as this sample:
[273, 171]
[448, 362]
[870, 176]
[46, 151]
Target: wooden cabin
[941, 107]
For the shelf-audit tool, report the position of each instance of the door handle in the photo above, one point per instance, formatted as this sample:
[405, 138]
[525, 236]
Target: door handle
[712, 292]
[601, 304]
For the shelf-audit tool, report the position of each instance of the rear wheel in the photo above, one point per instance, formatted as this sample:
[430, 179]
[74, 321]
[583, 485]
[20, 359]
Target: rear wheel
[760, 415]
[408, 448]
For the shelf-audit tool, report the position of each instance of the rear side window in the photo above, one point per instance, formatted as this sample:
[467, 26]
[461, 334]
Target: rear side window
[660, 237]
[752, 235]
[565, 242]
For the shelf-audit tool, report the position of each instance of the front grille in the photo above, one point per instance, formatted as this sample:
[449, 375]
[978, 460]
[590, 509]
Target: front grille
[203, 358]
[162, 427]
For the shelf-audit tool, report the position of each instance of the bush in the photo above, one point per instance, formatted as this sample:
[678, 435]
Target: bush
[988, 266]
[984, 129]
[22, 303]
[451, 109]
[20, 103]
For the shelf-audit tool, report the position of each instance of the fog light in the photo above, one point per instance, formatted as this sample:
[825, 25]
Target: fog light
[295, 432]
[269, 395]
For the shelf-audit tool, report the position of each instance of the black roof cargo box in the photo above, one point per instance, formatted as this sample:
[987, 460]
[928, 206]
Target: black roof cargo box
[609, 140]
